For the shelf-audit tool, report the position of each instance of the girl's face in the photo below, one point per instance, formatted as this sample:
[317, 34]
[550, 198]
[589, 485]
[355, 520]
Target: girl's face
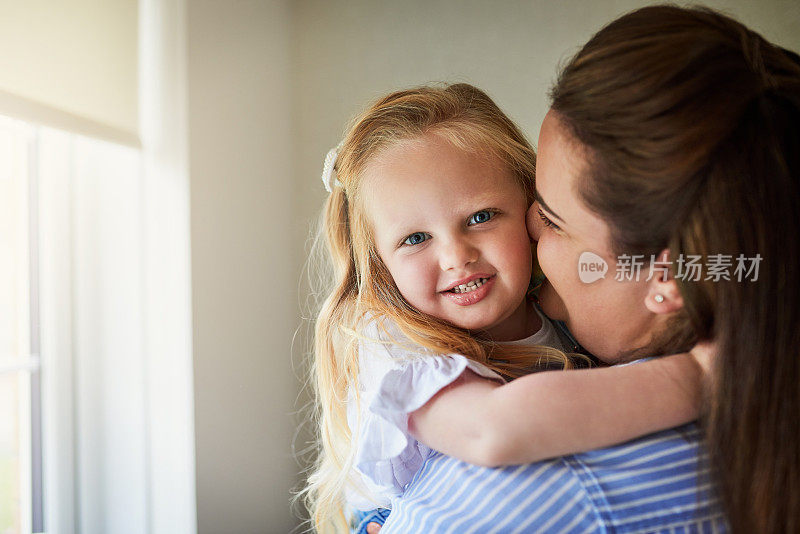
[450, 227]
[609, 318]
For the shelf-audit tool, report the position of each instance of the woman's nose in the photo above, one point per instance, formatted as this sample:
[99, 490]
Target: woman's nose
[457, 254]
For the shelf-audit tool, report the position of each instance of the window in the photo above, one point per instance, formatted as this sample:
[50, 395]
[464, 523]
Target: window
[20, 396]
[95, 280]
[73, 436]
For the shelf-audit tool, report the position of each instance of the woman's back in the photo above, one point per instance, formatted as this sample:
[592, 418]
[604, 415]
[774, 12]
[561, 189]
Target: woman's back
[653, 484]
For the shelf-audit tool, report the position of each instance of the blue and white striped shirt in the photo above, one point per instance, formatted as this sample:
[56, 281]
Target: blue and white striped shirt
[659, 483]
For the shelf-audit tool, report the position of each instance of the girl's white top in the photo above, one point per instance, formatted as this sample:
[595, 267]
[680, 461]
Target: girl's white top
[396, 378]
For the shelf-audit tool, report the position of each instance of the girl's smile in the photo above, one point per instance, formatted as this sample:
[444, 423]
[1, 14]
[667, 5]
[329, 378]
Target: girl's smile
[471, 292]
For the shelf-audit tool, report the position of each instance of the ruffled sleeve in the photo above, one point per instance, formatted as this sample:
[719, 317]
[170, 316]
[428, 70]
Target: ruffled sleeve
[394, 382]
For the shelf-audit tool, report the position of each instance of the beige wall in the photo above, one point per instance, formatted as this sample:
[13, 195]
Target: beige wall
[272, 85]
[348, 53]
[243, 278]
[74, 56]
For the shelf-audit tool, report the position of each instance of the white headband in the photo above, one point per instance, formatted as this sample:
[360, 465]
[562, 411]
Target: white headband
[328, 178]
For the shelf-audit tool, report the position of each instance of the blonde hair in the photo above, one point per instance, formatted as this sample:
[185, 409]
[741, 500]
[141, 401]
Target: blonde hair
[361, 284]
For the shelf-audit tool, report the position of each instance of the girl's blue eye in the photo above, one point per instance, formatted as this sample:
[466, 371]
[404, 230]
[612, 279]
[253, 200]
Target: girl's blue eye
[416, 238]
[480, 217]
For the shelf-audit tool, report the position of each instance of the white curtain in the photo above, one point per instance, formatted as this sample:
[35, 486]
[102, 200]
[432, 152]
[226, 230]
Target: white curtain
[93, 361]
[116, 311]
[168, 326]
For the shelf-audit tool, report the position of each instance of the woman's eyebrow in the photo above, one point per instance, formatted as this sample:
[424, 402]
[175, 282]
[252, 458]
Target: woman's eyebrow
[543, 204]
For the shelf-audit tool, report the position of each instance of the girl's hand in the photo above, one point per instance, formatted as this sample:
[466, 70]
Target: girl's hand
[373, 528]
[704, 354]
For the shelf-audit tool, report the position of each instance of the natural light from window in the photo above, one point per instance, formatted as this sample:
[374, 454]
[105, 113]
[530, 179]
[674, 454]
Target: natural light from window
[15, 328]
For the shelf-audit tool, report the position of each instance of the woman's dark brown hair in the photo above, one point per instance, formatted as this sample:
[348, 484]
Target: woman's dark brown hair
[692, 125]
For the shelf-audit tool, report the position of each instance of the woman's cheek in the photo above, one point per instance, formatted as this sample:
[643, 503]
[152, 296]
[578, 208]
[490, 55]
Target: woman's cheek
[554, 259]
[550, 257]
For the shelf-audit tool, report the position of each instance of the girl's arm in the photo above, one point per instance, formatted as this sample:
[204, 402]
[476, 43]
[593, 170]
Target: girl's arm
[554, 413]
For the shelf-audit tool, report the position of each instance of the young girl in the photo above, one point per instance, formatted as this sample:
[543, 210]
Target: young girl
[429, 317]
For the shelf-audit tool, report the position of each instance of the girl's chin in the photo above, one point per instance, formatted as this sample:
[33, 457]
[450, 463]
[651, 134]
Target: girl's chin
[477, 323]
[472, 325]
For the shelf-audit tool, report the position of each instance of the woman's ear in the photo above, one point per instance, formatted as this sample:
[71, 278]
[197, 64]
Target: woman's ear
[663, 295]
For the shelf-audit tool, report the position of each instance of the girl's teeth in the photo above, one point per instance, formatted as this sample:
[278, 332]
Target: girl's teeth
[469, 286]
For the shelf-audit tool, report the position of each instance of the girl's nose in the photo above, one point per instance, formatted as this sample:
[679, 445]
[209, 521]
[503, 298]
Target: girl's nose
[458, 254]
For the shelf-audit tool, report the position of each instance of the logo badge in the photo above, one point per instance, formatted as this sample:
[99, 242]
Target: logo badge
[591, 267]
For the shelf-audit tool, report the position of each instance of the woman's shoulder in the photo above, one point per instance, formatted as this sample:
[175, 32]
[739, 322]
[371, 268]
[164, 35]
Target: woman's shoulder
[646, 484]
[659, 479]
[680, 442]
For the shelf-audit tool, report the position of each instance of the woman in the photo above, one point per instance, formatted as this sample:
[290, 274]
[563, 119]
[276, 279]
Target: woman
[673, 134]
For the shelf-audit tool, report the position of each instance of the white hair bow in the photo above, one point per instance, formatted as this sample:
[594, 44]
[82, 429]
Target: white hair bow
[328, 179]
